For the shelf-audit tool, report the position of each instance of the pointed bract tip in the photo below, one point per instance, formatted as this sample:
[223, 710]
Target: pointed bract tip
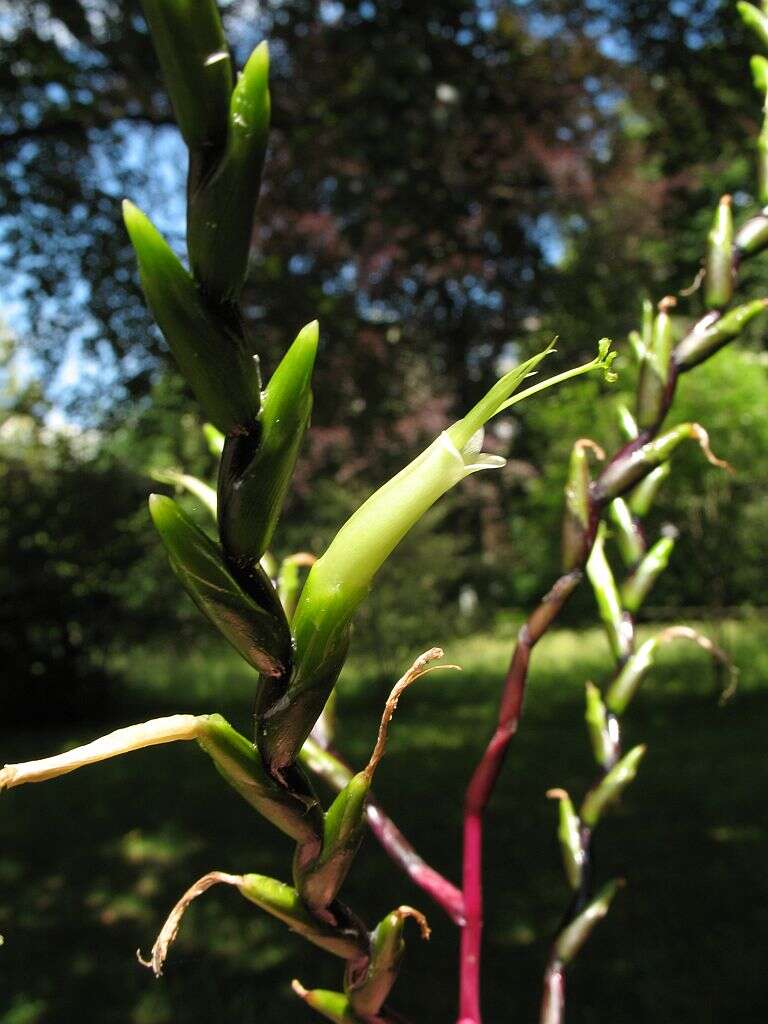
[132, 215]
[759, 68]
[160, 505]
[556, 794]
[257, 65]
[310, 333]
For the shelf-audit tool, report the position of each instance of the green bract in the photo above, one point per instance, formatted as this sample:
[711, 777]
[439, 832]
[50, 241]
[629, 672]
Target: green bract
[654, 368]
[576, 517]
[569, 836]
[224, 191]
[371, 986]
[210, 348]
[295, 810]
[718, 280]
[598, 725]
[320, 880]
[574, 935]
[607, 595]
[628, 679]
[256, 469]
[282, 901]
[253, 622]
[711, 336]
[642, 497]
[610, 787]
[636, 588]
[339, 581]
[334, 1006]
[194, 56]
[627, 534]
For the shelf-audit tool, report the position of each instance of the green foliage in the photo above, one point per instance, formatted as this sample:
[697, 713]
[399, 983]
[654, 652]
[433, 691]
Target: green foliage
[67, 570]
[729, 394]
[100, 906]
[298, 650]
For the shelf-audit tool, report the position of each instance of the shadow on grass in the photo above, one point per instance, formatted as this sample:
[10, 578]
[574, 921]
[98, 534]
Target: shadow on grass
[91, 863]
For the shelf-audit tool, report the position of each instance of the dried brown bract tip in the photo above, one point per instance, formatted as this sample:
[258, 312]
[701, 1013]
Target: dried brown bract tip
[418, 917]
[587, 442]
[700, 434]
[420, 667]
[170, 929]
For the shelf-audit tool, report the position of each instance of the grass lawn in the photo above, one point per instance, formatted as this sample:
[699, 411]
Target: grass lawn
[91, 863]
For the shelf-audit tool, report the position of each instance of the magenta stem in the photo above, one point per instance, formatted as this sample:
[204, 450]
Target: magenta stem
[481, 787]
[553, 996]
[442, 891]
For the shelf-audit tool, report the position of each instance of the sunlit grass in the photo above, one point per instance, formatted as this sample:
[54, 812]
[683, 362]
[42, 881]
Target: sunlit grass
[91, 863]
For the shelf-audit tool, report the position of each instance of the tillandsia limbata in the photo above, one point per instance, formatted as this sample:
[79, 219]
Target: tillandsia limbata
[296, 637]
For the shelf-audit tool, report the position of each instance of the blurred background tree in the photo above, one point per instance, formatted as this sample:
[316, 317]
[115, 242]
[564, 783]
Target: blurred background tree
[448, 184]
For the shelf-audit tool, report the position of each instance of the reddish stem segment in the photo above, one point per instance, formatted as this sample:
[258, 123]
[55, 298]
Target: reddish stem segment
[442, 891]
[481, 786]
[553, 996]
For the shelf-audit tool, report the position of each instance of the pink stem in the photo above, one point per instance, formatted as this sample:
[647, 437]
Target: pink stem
[443, 892]
[553, 998]
[481, 786]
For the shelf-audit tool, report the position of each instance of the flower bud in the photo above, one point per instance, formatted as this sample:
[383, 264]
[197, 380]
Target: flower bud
[710, 336]
[334, 1006]
[752, 237]
[224, 189]
[603, 734]
[569, 834]
[636, 588]
[625, 685]
[573, 936]
[368, 990]
[319, 881]
[253, 622]
[617, 625]
[642, 497]
[627, 423]
[629, 535]
[256, 468]
[192, 50]
[718, 279]
[577, 518]
[655, 369]
[610, 787]
[211, 351]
